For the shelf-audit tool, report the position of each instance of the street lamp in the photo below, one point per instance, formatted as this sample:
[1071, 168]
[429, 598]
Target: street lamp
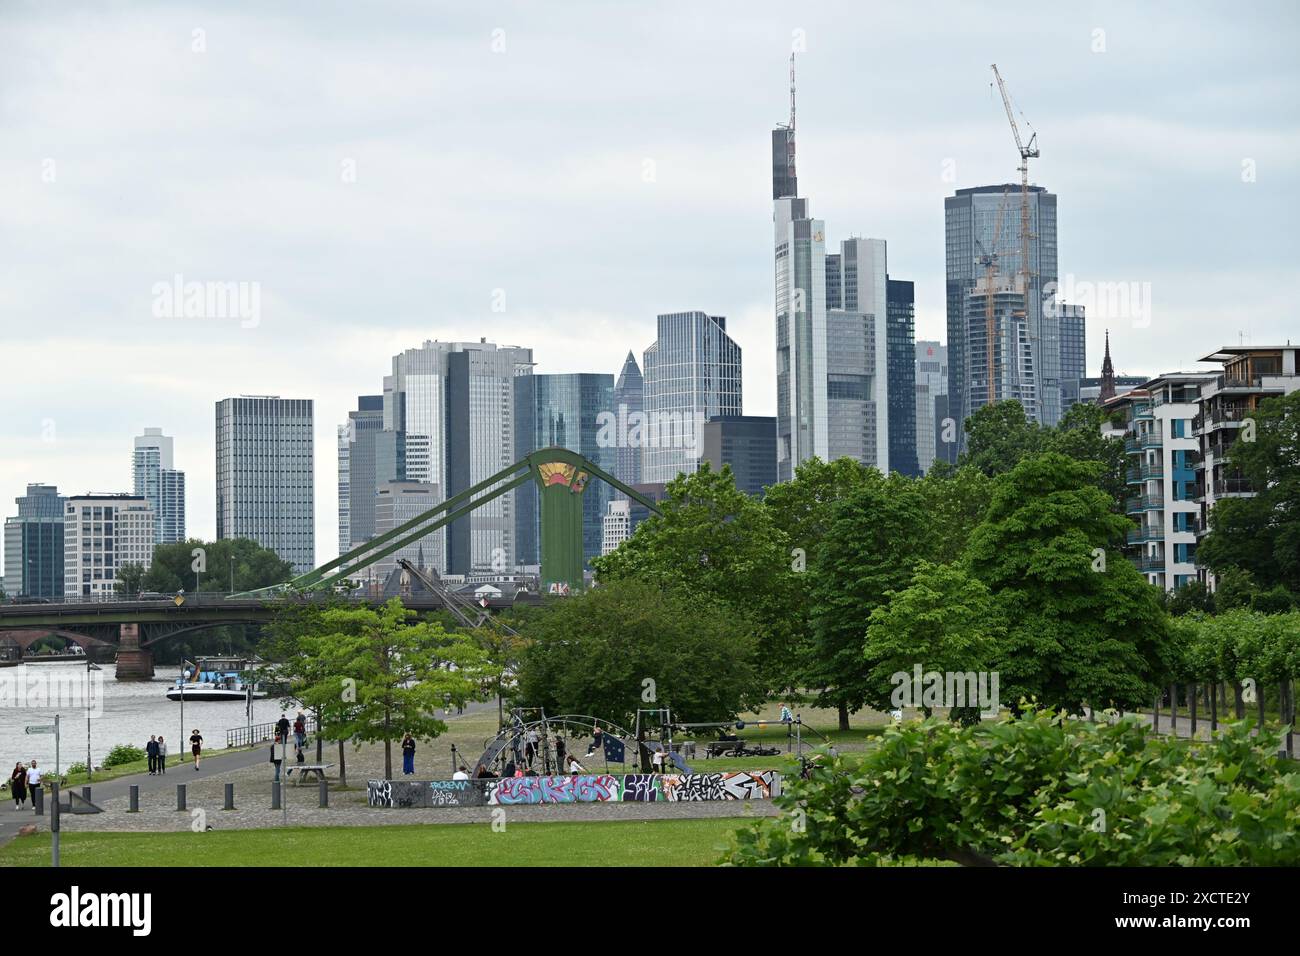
[90, 666]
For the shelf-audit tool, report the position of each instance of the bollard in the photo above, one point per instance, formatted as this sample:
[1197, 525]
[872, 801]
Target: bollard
[230, 797]
[180, 796]
[38, 800]
[324, 793]
[275, 795]
[135, 799]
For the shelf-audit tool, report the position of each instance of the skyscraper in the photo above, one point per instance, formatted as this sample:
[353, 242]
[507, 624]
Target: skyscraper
[562, 411]
[692, 374]
[101, 535]
[364, 474]
[158, 482]
[396, 503]
[629, 400]
[900, 359]
[265, 478]
[931, 382]
[1026, 348]
[452, 405]
[746, 443]
[33, 542]
[1074, 351]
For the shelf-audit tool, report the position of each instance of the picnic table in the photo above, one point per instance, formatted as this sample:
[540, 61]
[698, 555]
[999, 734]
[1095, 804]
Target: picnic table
[308, 768]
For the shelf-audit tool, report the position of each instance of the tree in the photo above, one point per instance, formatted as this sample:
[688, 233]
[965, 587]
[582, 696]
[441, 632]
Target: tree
[956, 499]
[372, 673]
[1078, 436]
[630, 644]
[944, 621]
[1261, 534]
[873, 541]
[177, 566]
[128, 580]
[998, 436]
[1083, 624]
[720, 544]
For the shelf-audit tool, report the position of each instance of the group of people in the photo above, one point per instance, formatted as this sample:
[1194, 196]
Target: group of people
[156, 751]
[24, 781]
[282, 730]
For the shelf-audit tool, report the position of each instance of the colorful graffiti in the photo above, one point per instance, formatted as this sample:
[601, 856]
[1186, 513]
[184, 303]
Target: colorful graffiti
[576, 789]
[592, 788]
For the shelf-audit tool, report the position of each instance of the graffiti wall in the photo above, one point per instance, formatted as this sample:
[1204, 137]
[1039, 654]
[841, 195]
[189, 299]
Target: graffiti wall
[588, 788]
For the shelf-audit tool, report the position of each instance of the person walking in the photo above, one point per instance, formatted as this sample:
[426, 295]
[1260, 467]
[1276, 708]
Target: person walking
[282, 727]
[33, 782]
[151, 751]
[161, 763]
[300, 730]
[18, 785]
[196, 746]
[275, 757]
[408, 754]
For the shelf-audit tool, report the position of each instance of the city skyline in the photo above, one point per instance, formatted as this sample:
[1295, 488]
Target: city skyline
[333, 311]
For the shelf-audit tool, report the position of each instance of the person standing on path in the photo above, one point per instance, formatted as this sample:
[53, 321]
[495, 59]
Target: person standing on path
[282, 728]
[300, 730]
[275, 759]
[33, 782]
[161, 763]
[408, 754]
[151, 751]
[196, 746]
[18, 785]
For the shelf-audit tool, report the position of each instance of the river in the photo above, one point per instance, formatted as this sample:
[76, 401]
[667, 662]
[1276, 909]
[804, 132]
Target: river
[122, 712]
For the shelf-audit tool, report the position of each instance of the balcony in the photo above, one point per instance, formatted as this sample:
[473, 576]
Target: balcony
[1153, 502]
[1141, 411]
[1133, 476]
[1151, 440]
[1228, 415]
[1149, 563]
[1232, 486]
[1156, 470]
[1132, 446]
[1133, 506]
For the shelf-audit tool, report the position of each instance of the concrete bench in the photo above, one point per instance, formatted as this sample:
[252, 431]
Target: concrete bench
[304, 769]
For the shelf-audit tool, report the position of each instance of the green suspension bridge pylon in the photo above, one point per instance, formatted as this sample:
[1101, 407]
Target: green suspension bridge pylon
[561, 475]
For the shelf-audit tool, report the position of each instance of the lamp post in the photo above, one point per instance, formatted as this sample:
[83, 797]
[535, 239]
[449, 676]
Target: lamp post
[90, 666]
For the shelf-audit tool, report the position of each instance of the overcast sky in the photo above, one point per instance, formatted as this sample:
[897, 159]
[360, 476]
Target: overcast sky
[387, 173]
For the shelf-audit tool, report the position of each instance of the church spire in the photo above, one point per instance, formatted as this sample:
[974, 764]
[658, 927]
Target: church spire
[1107, 375]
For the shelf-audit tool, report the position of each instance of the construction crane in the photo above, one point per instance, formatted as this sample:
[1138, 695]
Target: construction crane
[464, 610]
[1027, 152]
[989, 260]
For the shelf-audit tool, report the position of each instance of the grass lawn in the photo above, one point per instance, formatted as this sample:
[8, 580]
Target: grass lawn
[618, 843]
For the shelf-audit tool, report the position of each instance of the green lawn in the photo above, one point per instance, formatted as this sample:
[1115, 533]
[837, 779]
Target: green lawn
[620, 843]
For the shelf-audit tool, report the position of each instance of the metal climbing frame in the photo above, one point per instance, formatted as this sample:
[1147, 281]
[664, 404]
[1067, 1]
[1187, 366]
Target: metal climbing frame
[512, 740]
[561, 476]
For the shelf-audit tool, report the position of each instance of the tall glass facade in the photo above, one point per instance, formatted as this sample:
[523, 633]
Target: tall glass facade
[562, 411]
[33, 542]
[971, 217]
[158, 482]
[901, 362]
[629, 399]
[692, 374]
[265, 477]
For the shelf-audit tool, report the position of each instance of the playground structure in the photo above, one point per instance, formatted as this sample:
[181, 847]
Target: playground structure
[652, 735]
[561, 476]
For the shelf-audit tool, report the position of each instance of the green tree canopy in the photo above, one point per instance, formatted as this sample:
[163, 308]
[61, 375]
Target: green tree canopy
[176, 566]
[1083, 624]
[718, 543]
[998, 436]
[629, 644]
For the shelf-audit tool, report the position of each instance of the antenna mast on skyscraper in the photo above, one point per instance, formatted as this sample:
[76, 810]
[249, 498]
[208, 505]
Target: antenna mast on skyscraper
[792, 91]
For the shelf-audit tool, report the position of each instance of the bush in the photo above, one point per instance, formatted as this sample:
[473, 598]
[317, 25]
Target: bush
[1040, 791]
[123, 754]
[76, 768]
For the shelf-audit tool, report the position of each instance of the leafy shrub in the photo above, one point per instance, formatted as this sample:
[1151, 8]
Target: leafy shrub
[122, 754]
[1041, 790]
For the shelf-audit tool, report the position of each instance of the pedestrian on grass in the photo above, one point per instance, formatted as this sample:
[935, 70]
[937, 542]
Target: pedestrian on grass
[18, 785]
[196, 746]
[408, 754]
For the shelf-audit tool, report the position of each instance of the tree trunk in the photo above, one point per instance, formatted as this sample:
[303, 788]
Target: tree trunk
[1288, 691]
[1155, 715]
[388, 759]
[343, 766]
[319, 742]
[1173, 709]
[1214, 707]
[844, 715]
[1191, 706]
[1238, 703]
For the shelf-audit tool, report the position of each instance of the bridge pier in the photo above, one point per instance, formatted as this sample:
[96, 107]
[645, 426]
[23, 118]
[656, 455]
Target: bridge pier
[133, 661]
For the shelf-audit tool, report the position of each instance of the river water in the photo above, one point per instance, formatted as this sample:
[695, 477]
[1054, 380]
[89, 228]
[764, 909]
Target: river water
[122, 712]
